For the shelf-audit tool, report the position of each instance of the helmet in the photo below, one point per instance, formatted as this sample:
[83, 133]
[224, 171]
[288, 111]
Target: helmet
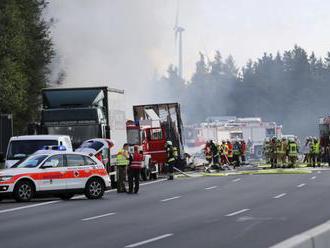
[169, 143]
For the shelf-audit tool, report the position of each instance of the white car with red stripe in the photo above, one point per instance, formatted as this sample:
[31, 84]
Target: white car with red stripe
[55, 173]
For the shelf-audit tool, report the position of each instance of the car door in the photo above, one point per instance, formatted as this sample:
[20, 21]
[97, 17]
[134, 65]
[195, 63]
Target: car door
[78, 171]
[52, 174]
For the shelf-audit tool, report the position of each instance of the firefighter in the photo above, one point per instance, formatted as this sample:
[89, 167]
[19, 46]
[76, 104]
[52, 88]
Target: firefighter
[208, 153]
[243, 152]
[236, 154]
[266, 150]
[122, 163]
[273, 152]
[224, 153]
[307, 152]
[292, 151]
[230, 152]
[215, 155]
[283, 147]
[315, 150]
[171, 159]
[134, 170]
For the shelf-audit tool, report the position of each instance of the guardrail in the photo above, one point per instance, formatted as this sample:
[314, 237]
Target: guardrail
[317, 237]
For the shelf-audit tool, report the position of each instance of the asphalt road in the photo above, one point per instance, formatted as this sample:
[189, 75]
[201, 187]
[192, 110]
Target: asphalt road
[233, 211]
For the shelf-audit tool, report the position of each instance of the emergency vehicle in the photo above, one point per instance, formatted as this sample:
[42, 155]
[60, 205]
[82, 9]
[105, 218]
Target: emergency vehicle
[153, 125]
[56, 173]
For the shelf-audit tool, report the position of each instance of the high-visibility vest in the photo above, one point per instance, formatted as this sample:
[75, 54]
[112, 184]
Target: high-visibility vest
[230, 150]
[170, 154]
[236, 150]
[137, 162]
[224, 149]
[293, 149]
[121, 159]
[316, 148]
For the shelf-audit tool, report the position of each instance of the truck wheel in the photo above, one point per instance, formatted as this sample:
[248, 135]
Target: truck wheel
[23, 191]
[66, 197]
[154, 176]
[145, 174]
[94, 188]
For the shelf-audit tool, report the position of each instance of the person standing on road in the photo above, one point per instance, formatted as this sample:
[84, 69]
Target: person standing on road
[230, 152]
[171, 159]
[243, 152]
[292, 153]
[316, 152]
[236, 154]
[208, 152]
[122, 163]
[134, 170]
[273, 152]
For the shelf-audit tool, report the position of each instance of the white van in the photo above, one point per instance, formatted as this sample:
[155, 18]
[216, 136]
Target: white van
[20, 147]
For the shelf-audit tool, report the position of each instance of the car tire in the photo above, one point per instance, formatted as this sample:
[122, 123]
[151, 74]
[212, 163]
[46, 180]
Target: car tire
[23, 191]
[154, 176]
[66, 197]
[94, 188]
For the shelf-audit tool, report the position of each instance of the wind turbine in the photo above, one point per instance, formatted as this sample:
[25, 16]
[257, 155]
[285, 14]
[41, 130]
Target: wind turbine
[178, 30]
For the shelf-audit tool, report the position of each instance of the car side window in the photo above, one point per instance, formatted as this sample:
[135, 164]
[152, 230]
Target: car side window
[89, 161]
[55, 161]
[75, 160]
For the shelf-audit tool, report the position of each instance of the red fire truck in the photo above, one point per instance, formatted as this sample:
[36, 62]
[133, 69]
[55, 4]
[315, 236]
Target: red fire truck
[153, 125]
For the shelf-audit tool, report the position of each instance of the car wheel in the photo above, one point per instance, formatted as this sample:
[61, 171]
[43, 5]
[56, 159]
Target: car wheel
[66, 197]
[23, 191]
[94, 188]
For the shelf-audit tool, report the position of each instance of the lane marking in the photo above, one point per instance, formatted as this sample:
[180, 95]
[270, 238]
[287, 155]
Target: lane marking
[319, 172]
[237, 212]
[279, 196]
[301, 185]
[212, 187]
[28, 206]
[75, 197]
[98, 216]
[150, 240]
[312, 178]
[170, 199]
[236, 180]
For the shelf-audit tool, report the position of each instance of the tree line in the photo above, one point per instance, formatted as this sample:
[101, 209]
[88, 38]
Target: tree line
[291, 88]
[26, 50]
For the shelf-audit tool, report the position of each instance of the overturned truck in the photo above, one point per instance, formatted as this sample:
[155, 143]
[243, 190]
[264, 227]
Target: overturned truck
[153, 125]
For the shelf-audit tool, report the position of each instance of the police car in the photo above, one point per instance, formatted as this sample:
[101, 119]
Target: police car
[57, 173]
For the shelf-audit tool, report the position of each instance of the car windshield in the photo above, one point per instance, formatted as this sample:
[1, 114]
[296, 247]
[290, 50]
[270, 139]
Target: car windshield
[20, 149]
[31, 162]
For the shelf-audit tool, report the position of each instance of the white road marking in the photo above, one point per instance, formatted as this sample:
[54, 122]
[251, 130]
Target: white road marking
[150, 240]
[319, 172]
[213, 187]
[170, 199]
[76, 197]
[27, 206]
[98, 216]
[312, 178]
[279, 196]
[301, 185]
[237, 212]
[236, 180]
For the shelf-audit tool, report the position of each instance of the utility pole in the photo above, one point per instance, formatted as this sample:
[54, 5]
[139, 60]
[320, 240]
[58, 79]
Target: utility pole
[178, 30]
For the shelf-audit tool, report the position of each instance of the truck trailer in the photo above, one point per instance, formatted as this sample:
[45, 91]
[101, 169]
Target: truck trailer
[86, 113]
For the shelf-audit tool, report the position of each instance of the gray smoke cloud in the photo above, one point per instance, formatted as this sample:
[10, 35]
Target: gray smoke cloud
[119, 43]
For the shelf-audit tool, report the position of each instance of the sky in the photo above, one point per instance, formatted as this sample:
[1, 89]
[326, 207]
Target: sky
[127, 43]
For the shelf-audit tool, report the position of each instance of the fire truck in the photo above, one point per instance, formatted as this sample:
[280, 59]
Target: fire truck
[153, 125]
